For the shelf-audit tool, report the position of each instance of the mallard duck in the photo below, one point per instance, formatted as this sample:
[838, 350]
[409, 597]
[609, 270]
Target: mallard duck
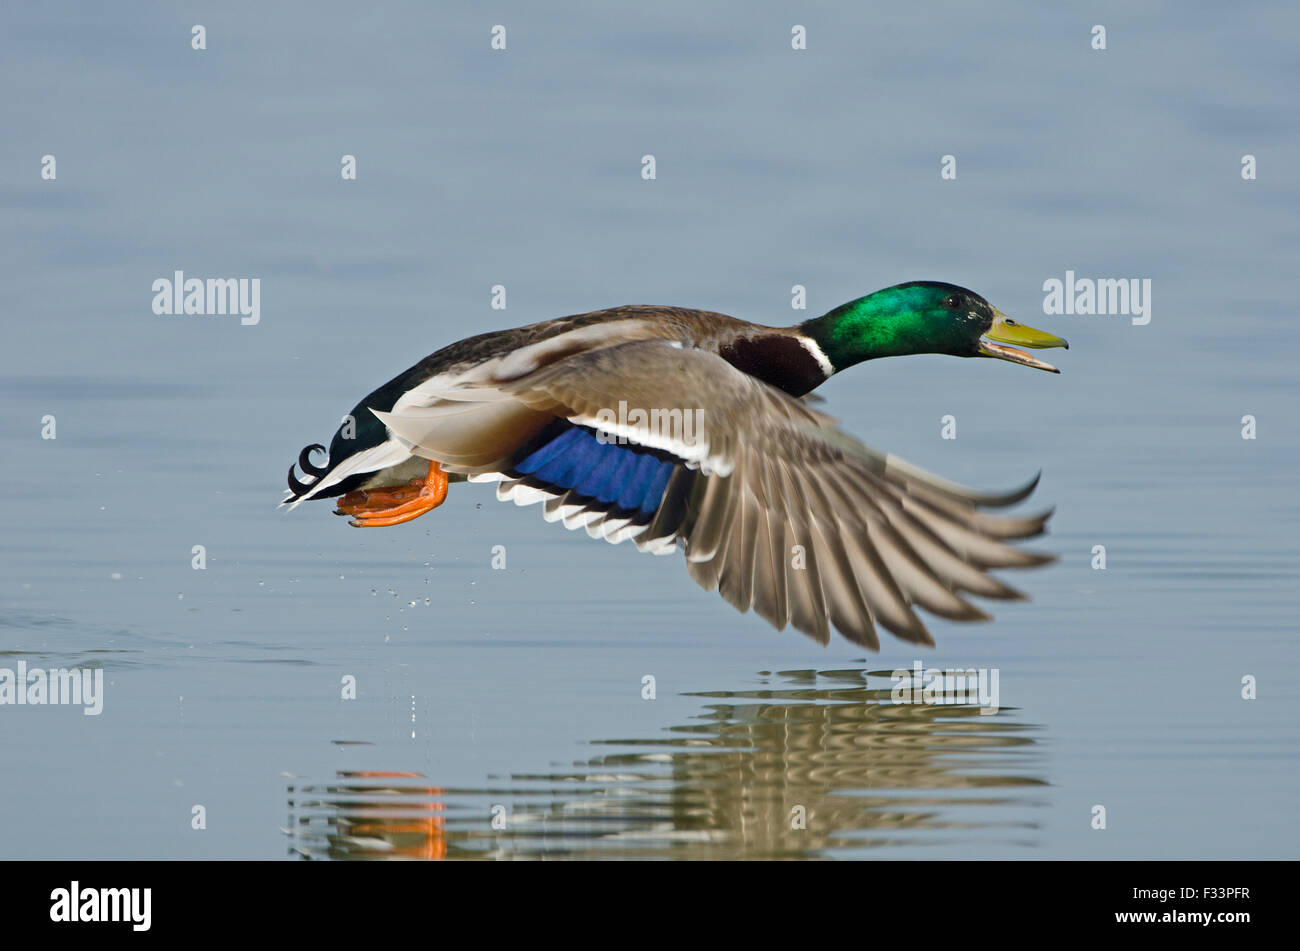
[667, 426]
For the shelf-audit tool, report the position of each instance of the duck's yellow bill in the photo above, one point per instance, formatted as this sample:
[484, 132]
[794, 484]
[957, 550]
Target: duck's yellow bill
[1006, 330]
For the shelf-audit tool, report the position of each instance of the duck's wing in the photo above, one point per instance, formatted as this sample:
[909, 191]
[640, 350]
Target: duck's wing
[776, 508]
[455, 385]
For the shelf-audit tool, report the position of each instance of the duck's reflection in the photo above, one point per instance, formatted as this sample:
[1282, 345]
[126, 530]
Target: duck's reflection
[811, 764]
[369, 815]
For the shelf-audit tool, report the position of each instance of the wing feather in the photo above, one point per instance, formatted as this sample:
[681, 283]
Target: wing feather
[777, 509]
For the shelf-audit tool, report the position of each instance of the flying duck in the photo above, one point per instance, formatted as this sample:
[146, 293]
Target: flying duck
[672, 427]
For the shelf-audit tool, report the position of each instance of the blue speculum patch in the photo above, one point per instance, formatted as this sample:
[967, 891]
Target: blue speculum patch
[626, 476]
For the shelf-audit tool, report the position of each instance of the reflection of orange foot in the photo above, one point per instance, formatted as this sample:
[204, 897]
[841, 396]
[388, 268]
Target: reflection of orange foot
[397, 504]
[420, 837]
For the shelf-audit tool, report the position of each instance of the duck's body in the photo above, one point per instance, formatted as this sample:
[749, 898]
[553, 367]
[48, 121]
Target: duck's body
[666, 425]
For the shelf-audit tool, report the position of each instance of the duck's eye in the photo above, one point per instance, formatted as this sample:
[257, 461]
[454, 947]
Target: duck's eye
[952, 302]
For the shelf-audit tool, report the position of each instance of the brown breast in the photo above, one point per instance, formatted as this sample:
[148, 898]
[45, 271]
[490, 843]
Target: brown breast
[777, 359]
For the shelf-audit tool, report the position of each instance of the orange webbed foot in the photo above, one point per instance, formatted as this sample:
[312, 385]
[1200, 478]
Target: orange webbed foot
[393, 505]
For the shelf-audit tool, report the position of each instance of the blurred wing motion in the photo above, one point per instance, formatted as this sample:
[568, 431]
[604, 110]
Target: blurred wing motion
[774, 506]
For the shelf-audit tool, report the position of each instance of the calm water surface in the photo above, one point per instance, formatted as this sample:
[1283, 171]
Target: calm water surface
[517, 695]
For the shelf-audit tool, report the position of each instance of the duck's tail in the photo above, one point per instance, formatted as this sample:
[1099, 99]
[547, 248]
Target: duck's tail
[346, 467]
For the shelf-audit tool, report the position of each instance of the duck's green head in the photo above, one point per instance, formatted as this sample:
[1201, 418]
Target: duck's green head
[924, 317]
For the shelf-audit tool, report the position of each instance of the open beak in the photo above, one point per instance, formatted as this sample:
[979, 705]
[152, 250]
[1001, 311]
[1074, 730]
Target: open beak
[1006, 330]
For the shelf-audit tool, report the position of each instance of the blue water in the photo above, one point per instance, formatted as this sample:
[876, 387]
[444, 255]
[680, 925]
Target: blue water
[517, 694]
